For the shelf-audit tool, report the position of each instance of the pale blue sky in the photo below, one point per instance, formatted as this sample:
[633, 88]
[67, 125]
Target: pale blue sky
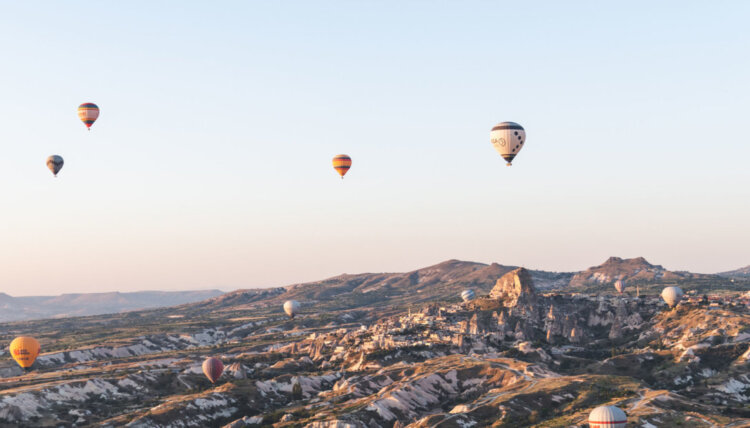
[210, 163]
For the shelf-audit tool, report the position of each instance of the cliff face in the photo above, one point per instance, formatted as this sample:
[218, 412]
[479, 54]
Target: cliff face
[523, 315]
[515, 288]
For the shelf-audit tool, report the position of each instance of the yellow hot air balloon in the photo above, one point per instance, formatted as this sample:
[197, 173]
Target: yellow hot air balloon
[342, 163]
[88, 113]
[24, 350]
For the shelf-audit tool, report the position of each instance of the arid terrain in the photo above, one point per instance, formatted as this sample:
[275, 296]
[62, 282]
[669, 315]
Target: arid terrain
[534, 348]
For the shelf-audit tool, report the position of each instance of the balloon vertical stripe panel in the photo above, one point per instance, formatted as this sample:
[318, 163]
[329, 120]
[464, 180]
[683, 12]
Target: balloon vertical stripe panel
[213, 368]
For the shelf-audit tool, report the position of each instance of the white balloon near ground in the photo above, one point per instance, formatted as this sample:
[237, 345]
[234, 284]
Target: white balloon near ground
[672, 295]
[468, 295]
[607, 417]
[291, 307]
[508, 139]
[620, 286]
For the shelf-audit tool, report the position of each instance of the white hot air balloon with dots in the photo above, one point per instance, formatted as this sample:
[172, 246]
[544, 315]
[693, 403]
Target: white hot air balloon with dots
[508, 139]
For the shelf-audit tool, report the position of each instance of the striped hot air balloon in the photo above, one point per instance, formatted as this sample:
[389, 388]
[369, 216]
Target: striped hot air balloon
[213, 368]
[468, 295]
[508, 139]
[88, 113]
[607, 417]
[24, 350]
[55, 163]
[342, 163]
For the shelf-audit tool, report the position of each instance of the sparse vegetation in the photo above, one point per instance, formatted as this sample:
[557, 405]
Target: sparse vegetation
[323, 365]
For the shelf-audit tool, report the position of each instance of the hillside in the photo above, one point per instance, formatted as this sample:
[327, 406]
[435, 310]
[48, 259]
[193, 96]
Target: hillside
[443, 281]
[743, 273]
[531, 357]
[544, 361]
[649, 278]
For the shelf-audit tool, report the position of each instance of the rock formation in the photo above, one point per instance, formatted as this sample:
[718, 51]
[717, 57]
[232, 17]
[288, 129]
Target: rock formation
[515, 288]
[619, 321]
[237, 371]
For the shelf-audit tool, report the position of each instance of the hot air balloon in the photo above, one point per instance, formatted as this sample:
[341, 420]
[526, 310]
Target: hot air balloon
[88, 112]
[55, 163]
[468, 295]
[508, 139]
[672, 295]
[291, 307]
[607, 417]
[342, 163]
[620, 286]
[24, 350]
[213, 368]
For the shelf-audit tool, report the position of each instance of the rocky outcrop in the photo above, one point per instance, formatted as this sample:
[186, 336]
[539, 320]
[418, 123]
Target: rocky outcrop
[636, 269]
[621, 315]
[515, 288]
[237, 371]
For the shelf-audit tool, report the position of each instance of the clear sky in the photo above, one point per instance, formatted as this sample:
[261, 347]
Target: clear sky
[210, 165]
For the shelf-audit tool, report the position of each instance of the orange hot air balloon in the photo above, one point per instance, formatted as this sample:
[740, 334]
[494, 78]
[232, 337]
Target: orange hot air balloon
[213, 368]
[342, 163]
[88, 113]
[24, 350]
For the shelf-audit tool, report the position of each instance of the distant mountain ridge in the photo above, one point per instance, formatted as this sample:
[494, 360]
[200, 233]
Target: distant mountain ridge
[438, 282]
[445, 281]
[82, 304]
[442, 281]
[635, 269]
[737, 273]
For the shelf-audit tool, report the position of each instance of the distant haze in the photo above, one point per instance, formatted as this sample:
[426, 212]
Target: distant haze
[72, 305]
[210, 165]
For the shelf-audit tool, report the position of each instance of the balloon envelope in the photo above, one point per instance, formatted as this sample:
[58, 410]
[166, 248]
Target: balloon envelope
[291, 307]
[508, 139]
[342, 163]
[55, 164]
[213, 368]
[88, 113]
[620, 286]
[672, 295]
[24, 350]
[607, 417]
[468, 295]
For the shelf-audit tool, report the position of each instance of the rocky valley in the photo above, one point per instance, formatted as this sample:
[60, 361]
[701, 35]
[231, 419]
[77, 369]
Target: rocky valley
[533, 348]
